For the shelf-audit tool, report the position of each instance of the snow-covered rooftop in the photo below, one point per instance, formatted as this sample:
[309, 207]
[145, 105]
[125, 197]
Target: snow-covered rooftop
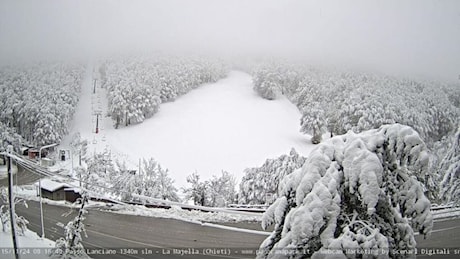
[51, 185]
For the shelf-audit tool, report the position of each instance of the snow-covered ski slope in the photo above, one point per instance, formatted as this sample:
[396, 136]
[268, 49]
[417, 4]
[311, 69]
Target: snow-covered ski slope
[219, 126]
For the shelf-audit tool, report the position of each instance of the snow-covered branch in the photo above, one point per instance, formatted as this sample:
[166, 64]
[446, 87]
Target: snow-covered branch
[356, 196]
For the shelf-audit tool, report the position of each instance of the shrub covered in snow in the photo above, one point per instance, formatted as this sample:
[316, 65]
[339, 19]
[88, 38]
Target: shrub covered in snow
[153, 181]
[258, 182]
[21, 222]
[39, 101]
[356, 196]
[137, 87]
[101, 176]
[217, 192]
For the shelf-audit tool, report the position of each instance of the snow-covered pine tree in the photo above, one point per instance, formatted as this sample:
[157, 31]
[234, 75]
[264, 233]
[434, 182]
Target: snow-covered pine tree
[266, 84]
[70, 245]
[357, 196]
[313, 122]
[449, 169]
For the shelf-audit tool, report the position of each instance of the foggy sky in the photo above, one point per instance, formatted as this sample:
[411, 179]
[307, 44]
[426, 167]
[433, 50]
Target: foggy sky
[416, 37]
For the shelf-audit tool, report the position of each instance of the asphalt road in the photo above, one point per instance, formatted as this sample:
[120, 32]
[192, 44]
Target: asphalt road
[111, 235]
[144, 237]
[444, 241]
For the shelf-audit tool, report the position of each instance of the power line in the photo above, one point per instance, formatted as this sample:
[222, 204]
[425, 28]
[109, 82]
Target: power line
[34, 169]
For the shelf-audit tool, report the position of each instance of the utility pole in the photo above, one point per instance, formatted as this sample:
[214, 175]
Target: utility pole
[94, 90]
[71, 158]
[11, 202]
[97, 123]
[41, 207]
[97, 113]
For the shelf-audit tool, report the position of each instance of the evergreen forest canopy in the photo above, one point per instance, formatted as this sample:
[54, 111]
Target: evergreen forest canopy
[37, 102]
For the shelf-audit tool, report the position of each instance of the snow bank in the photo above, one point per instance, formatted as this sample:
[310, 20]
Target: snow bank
[194, 216]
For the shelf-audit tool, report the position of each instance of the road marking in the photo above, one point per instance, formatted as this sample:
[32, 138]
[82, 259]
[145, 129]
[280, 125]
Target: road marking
[124, 239]
[145, 244]
[236, 229]
[438, 230]
[444, 229]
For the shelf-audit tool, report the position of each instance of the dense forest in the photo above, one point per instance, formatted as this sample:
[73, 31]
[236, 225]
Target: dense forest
[37, 101]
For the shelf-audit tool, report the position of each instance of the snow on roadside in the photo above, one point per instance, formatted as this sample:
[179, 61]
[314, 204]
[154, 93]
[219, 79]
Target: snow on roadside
[193, 216]
[448, 213]
[29, 192]
[30, 245]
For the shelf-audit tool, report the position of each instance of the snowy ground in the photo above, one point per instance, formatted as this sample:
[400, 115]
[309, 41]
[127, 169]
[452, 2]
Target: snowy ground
[30, 245]
[220, 126]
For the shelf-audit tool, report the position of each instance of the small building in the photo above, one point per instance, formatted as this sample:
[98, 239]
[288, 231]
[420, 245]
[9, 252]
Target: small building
[25, 150]
[54, 190]
[33, 153]
[72, 194]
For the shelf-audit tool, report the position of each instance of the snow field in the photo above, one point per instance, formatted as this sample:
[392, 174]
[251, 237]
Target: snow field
[219, 126]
